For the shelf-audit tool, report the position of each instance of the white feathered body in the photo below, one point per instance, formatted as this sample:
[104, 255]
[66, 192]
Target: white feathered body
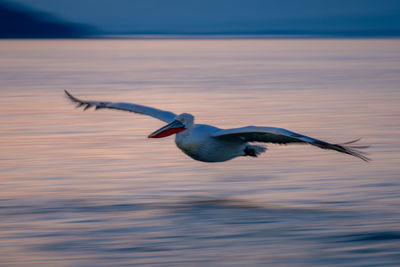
[199, 144]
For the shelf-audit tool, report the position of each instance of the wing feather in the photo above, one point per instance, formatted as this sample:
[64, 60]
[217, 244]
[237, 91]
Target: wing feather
[283, 136]
[153, 112]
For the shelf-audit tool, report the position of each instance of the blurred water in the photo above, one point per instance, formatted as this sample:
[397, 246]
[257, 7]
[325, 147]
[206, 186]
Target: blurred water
[89, 189]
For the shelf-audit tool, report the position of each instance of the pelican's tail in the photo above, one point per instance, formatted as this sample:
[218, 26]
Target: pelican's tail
[254, 151]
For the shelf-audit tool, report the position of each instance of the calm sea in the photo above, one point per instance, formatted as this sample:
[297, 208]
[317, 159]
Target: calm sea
[89, 189]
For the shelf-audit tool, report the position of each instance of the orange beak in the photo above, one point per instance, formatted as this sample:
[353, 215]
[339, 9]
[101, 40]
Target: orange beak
[169, 129]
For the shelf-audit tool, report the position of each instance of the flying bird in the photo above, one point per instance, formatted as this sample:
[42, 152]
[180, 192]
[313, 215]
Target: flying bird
[211, 144]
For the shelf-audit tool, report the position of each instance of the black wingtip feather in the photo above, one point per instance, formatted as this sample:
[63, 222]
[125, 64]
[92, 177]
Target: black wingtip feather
[351, 142]
[87, 106]
[81, 103]
[352, 150]
[73, 98]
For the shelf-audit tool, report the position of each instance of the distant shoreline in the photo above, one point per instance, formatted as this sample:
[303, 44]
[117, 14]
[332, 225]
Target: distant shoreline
[239, 36]
[206, 37]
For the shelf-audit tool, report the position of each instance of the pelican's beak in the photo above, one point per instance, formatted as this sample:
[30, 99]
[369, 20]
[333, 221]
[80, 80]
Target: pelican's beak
[172, 128]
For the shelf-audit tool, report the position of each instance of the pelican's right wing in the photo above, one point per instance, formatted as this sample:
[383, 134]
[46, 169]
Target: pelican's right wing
[165, 116]
[283, 136]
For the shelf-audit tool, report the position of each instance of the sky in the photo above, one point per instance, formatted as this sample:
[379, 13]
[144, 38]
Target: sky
[216, 16]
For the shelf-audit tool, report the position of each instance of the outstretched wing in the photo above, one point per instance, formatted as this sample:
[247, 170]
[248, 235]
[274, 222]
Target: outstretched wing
[283, 136]
[153, 112]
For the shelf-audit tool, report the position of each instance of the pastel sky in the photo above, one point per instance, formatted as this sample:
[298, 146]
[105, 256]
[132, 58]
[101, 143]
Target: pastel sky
[161, 16]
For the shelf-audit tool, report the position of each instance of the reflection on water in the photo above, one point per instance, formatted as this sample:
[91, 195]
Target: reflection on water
[90, 189]
[194, 232]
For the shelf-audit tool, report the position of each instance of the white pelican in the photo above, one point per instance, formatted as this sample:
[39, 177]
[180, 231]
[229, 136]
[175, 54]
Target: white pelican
[211, 144]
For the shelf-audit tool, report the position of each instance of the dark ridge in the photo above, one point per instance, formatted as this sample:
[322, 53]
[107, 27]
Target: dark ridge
[19, 22]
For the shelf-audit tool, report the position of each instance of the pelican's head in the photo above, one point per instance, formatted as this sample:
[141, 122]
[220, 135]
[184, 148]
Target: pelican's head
[181, 123]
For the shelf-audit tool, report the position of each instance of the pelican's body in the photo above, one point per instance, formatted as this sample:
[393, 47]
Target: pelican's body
[198, 144]
[210, 144]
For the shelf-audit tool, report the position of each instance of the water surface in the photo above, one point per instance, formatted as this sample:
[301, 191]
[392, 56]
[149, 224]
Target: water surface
[88, 188]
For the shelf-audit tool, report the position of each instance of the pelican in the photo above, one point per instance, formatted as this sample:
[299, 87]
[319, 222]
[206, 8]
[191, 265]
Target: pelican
[211, 144]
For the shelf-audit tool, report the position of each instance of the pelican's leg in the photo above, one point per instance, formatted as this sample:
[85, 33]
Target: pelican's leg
[254, 151]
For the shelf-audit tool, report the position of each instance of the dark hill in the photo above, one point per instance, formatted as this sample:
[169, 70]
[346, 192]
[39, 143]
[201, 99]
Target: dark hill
[16, 22]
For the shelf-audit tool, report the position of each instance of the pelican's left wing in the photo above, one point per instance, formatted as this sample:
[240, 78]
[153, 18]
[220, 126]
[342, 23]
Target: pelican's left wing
[283, 136]
[165, 116]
